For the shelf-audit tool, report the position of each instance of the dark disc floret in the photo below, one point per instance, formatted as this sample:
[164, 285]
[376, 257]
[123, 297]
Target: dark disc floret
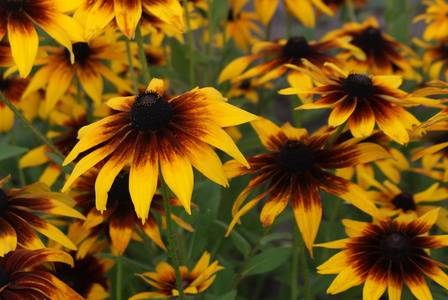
[120, 188]
[295, 156]
[3, 200]
[404, 201]
[4, 278]
[150, 111]
[297, 47]
[13, 5]
[4, 83]
[371, 38]
[358, 85]
[80, 50]
[395, 246]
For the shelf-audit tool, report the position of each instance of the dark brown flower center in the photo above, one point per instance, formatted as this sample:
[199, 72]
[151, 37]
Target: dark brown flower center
[297, 47]
[13, 5]
[150, 111]
[80, 50]
[230, 15]
[245, 85]
[371, 38]
[395, 246]
[358, 85]
[404, 201]
[120, 188]
[295, 156]
[4, 83]
[4, 278]
[3, 201]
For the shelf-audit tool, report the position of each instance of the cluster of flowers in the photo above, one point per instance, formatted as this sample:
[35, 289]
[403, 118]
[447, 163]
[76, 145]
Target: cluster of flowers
[123, 148]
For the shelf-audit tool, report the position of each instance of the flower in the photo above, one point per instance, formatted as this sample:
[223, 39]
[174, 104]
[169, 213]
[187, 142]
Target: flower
[152, 132]
[17, 18]
[363, 100]
[120, 218]
[385, 254]
[334, 5]
[302, 10]
[393, 201]
[435, 58]
[89, 67]
[96, 15]
[87, 275]
[196, 281]
[435, 17]
[17, 220]
[383, 54]
[18, 281]
[295, 169]
[69, 116]
[279, 53]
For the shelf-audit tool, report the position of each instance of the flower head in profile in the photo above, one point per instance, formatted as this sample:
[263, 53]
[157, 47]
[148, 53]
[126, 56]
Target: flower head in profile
[335, 5]
[296, 169]
[383, 54]
[20, 280]
[363, 100]
[194, 282]
[279, 53]
[17, 18]
[383, 255]
[18, 219]
[435, 18]
[119, 220]
[150, 132]
[96, 15]
[435, 59]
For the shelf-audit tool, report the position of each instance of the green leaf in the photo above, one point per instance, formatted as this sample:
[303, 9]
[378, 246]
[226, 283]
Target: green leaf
[267, 261]
[228, 296]
[238, 240]
[219, 11]
[7, 151]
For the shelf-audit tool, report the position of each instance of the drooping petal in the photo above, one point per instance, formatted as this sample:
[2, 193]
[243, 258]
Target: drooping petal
[8, 237]
[347, 278]
[362, 122]
[91, 80]
[169, 11]
[152, 230]
[24, 42]
[100, 14]
[335, 264]
[121, 225]
[376, 281]
[127, 15]
[176, 167]
[276, 203]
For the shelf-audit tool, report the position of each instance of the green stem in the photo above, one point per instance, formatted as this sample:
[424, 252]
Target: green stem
[190, 46]
[351, 11]
[119, 277]
[31, 127]
[335, 135]
[141, 54]
[131, 66]
[288, 25]
[19, 169]
[296, 102]
[169, 228]
[306, 280]
[246, 261]
[268, 31]
[295, 263]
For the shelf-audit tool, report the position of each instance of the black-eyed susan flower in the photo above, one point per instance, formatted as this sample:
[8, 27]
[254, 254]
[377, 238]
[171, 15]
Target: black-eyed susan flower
[383, 255]
[295, 169]
[58, 73]
[335, 5]
[18, 221]
[70, 117]
[363, 100]
[17, 18]
[242, 27]
[87, 275]
[96, 15]
[435, 18]
[391, 168]
[279, 53]
[435, 58]
[119, 220]
[19, 279]
[302, 10]
[151, 132]
[194, 282]
[396, 201]
[383, 54]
